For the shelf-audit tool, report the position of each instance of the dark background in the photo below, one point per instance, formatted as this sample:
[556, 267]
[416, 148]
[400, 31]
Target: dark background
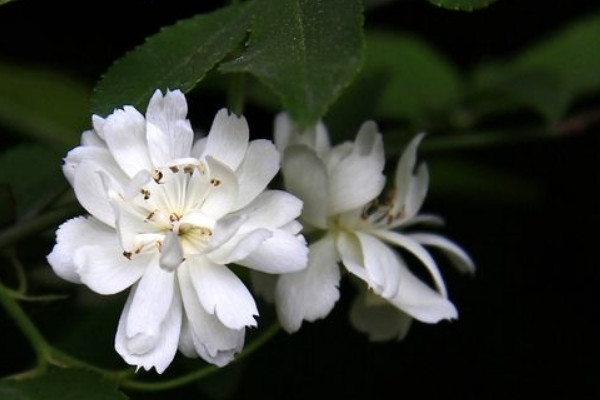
[527, 319]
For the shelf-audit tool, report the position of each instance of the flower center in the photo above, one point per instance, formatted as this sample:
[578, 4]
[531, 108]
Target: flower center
[169, 199]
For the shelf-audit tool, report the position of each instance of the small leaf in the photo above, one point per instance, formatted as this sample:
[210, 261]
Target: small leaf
[462, 5]
[547, 76]
[42, 104]
[420, 79]
[509, 88]
[31, 171]
[573, 54]
[177, 57]
[62, 384]
[307, 52]
[403, 79]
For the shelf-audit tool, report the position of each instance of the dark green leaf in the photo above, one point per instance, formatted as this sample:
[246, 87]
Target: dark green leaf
[462, 5]
[3, 2]
[573, 54]
[63, 384]
[177, 57]
[43, 104]
[420, 80]
[32, 171]
[547, 76]
[307, 52]
[503, 89]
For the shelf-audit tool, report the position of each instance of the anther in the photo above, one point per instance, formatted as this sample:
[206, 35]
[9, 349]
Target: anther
[146, 193]
[127, 255]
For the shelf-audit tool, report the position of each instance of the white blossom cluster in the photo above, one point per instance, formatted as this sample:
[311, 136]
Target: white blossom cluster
[167, 215]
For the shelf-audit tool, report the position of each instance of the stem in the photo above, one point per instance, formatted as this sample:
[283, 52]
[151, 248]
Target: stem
[63, 359]
[235, 93]
[22, 229]
[31, 332]
[11, 254]
[201, 373]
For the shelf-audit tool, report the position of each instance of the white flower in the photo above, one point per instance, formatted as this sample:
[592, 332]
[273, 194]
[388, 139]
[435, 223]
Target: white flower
[340, 186]
[166, 216]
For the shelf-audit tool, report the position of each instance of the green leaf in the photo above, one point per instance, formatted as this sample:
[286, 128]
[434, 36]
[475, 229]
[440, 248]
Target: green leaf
[3, 2]
[403, 78]
[547, 76]
[420, 79]
[504, 89]
[306, 51]
[62, 384]
[42, 104]
[32, 171]
[572, 54]
[177, 57]
[462, 5]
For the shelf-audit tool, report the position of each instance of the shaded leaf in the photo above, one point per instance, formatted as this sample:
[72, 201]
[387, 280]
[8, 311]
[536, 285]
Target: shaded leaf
[419, 79]
[177, 57]
[63, 384]
[504, 89]
[545, 77]
[403, 78]
[307, 52]
[43, 104]
[462, 5]
[3, 2]
[573, 54]
[32, 171]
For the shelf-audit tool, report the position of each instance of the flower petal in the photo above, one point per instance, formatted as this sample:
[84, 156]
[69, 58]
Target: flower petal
[271, 209]
[213, 341]
[309, 294]
[287, 134]
[257, 169]
[381, 263]
[281, 253]
[169, 133]
[105, 269]
[379, 319]
[420, 301]
[92, 192]
[415, 248]
[72, 235]
[350, 252]
[153, 297]
[125, 134]
[239, 247]
[228, 139]
[405, 187]
[171, 254]
[145, 352]
[223, 194]
[199, 147]
[91, 138]
[306, 177]
[357, 179]
[222, 293]
[455, 253]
